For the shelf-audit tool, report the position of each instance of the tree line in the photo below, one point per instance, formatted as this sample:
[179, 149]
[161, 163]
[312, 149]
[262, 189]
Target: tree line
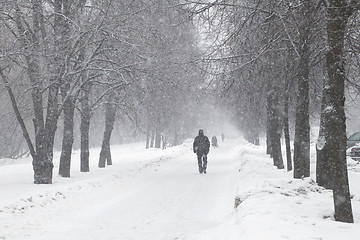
[277, 65]
[280, 65]
[69, 65]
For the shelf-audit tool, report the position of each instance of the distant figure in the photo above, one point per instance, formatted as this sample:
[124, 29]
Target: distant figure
[222, 137]
[164, 142]
[214, 141]
[201, 147]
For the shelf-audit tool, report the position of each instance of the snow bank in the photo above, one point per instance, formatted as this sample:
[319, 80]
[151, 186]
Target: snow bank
[158, 194]
[269, 204]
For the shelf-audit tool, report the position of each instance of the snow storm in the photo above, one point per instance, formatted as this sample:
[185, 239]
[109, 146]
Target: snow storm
[179, 119]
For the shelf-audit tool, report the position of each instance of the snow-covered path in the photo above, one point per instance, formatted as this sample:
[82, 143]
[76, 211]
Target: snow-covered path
[163, 198]
[159, 195]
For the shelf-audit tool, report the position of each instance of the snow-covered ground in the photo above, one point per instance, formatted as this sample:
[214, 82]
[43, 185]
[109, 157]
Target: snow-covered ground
[159, 195]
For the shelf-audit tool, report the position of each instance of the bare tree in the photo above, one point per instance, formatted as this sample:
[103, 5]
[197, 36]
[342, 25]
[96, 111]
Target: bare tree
[29, 31]
[302, 124]
[110, 114]
[332, 137]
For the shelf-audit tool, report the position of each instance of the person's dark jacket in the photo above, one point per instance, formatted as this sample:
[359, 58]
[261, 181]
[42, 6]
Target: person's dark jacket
[214, 141]
[201, 145]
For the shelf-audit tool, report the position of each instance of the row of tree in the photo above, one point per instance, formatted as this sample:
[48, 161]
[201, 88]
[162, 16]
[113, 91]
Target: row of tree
[134, 62]
[273, 59]
[269, 60]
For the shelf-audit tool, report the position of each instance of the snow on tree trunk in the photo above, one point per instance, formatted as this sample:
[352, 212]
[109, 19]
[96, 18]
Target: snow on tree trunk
[333, 136]
[323, 175]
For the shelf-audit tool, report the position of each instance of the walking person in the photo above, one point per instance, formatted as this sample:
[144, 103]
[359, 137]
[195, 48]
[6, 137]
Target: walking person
[201, 147]
[214, 141]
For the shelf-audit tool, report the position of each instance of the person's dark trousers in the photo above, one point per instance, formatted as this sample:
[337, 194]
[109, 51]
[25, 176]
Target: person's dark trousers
[202, 162]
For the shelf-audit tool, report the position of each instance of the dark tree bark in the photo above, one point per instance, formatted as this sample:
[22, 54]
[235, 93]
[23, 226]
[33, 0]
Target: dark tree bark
[60, 51]
[336, 121]
[44, 130]
[286, 127]
[85, 112]
[323, 173]
[42, 163]
[332, 141]
[85, 128]
[269, 111]
[274, 128]
[68, 137]
[275, 139]
[105, 154]
[268, 141]
[302, 124]
[84, 142]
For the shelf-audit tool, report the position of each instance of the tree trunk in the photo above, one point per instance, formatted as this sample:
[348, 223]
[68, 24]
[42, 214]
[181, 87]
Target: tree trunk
[323, 170]
[84, 142]
[42, 161]
[152, 138]
[275, 120]
[105, 154]
[68, 137]
[44, 132]
[333, 141]
[147, 137]
[157, 139]
[302, 125]
[176, 138]
[257, 140]
[276, 145]
[46, 136]
[323, 174]
[268, 141]
[61, 33]
[85, 128]
[286, 128]
[268, 119]
[164, 142]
